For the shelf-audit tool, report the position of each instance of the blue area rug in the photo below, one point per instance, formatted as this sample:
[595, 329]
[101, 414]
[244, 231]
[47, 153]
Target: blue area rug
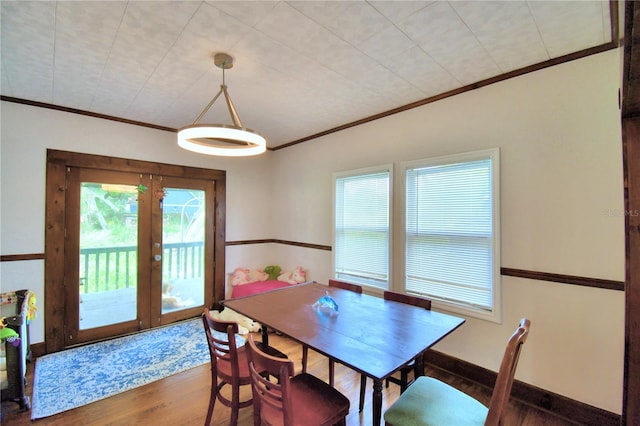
[79, 376]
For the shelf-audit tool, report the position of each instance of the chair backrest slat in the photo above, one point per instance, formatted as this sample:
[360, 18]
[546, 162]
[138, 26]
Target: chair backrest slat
[407, 299]
[506, 373]
[345, 286]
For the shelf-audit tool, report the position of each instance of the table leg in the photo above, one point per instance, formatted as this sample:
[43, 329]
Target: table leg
[419, 366]
[265, 335]
[377, 402]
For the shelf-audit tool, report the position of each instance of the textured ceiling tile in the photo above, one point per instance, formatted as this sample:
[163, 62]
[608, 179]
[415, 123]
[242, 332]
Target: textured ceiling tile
[188, 104]
[207, 32]
[147, 32]
[27, 40]
[115, 94]
[185, 107]
[568, 26]
[76, 92]
[329, 50]
[4, 82]
[84, 35]
[278, 96]
[181, 110]
[388, 42]
[267, 52]
[384, 82]
[348, 61]
[506, 30]
[606, 21]
[298, 67]
[344, 59]
[352, 21]
[396, 11]
[221, 29]
[450, 43]
[150, 104]
[173, 77]
[247, 12]
[422, 71]
[435, 17]
[290, 27]
[471, 66]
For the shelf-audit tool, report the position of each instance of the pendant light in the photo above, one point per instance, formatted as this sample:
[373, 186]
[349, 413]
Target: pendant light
[232, 140]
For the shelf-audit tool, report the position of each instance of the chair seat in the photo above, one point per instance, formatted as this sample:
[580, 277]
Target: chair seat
[332, 405]
[224, 368]
[429, 401]
[315, 402]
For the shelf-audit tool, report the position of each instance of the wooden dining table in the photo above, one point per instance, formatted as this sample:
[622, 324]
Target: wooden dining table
[368, 334]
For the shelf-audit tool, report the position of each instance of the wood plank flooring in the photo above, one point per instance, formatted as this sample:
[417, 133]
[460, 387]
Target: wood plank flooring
[182, 399]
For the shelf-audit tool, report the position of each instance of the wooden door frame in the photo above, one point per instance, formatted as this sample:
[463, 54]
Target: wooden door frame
[630, 114]
[55, 215]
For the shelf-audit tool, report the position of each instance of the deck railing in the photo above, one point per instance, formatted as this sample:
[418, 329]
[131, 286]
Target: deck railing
[114, 268]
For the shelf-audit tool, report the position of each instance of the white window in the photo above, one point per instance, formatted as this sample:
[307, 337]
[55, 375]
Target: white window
[362, 218]
[452, 232]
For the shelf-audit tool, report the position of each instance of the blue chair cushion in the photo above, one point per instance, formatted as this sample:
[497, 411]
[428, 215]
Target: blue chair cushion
[429, 401]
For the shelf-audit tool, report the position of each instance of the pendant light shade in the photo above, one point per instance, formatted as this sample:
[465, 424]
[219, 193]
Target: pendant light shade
[232, 140]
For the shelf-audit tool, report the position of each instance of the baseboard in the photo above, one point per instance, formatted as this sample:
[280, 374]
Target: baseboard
[558, 405]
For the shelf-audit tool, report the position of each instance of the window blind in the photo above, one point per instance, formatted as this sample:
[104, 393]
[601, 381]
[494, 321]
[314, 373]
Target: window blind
[361, 246]
[449, 233]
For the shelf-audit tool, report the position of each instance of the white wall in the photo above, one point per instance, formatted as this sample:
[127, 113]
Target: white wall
[559, 134]
[561, 186]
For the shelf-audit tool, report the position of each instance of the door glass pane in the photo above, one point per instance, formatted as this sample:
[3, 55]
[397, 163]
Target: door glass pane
[108, 254]
[183, 232]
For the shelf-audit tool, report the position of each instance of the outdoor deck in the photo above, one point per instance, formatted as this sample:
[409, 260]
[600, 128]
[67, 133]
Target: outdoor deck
[108, 307]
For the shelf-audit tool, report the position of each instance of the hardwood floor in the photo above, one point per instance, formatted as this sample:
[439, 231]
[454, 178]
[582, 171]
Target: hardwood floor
[182, 399]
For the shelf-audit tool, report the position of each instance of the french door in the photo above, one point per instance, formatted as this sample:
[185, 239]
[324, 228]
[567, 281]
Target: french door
[136, 250]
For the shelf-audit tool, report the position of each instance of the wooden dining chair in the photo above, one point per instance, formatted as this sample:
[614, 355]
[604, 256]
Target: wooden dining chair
[415, 365]
[429, 401]
[305, 349]
[301, 399]
[228, 364]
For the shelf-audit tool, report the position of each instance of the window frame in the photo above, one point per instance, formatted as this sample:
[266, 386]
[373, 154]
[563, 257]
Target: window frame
[495, 314]
[388, 168]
